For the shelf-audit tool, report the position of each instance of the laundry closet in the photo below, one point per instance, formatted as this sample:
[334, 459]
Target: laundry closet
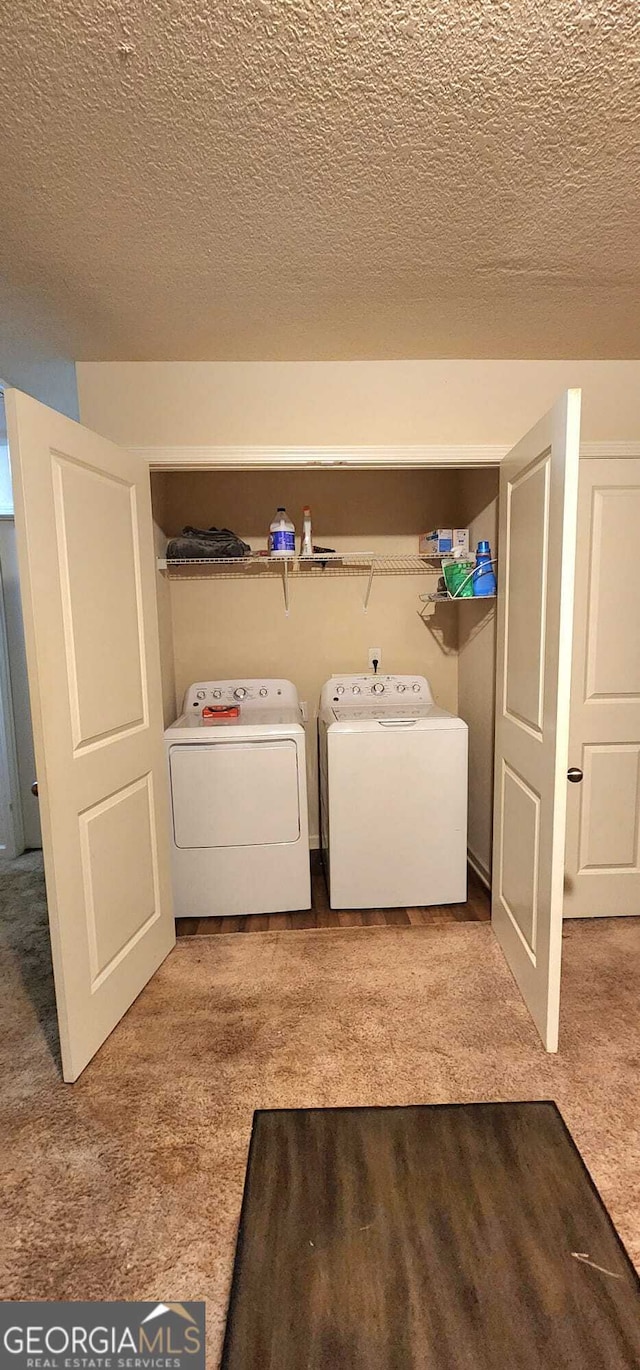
[227, 622]
[113, 640]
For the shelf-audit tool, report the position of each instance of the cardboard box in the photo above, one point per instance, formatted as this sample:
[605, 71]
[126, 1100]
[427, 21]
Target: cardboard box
[437, 543]
[460, 538]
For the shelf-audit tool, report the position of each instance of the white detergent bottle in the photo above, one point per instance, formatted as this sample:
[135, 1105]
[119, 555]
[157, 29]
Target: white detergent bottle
[282, 535]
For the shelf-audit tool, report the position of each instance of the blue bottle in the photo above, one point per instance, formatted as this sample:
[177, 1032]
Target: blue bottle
[484, 581]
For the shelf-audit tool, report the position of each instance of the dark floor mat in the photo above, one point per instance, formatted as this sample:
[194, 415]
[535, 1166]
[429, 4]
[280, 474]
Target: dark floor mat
[439, 1237]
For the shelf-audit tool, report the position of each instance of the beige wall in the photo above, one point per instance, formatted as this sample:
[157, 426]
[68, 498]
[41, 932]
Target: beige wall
[476, 667]
[184, 403]
[237, 627]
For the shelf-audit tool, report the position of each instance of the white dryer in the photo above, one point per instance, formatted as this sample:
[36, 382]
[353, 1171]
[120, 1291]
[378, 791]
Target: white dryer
[393, 794]
[240, 841]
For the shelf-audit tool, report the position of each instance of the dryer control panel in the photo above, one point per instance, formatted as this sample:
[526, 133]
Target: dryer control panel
[363, 689]
[257, 694]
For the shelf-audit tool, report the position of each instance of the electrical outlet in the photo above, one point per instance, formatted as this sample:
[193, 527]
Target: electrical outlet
[375, 654]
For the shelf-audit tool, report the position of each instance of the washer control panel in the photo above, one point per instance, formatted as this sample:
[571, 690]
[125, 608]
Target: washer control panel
[257, 694]
[346, 689]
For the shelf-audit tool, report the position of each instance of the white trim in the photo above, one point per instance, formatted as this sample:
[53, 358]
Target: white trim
[241, 458]
[483, 873]
[598, 450]
[250, 457]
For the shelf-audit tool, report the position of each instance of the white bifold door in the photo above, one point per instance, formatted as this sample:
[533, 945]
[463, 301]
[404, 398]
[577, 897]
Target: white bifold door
[537, 542]
[85, 546]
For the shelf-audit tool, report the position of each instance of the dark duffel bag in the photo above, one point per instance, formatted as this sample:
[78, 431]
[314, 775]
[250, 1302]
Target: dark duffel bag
[195, 544]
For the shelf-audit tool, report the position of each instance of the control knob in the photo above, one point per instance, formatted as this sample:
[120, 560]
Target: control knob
[201, 694]
[263, 693]
[416, 688]
[356, 689]
[401, 688]
[240, 693]
[339, 689]
[377, 687]
[217, 694]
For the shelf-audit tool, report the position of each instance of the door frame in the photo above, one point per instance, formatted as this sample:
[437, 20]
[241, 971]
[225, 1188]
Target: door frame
[419, 456]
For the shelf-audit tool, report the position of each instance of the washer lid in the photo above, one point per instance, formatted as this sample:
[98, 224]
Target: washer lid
[402, 717]
[374, 710]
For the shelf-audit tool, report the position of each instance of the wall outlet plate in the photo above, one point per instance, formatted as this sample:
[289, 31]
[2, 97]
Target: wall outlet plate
[375, 654]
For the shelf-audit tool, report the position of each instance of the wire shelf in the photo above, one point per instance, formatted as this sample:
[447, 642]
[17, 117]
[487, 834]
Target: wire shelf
[336, 563]
[455, 599]
[291, 568]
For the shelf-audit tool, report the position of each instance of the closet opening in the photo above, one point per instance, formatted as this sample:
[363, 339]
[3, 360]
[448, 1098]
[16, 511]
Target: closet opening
[232, 622]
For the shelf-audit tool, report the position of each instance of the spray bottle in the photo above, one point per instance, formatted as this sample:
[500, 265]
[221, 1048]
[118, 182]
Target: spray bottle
[306, 542]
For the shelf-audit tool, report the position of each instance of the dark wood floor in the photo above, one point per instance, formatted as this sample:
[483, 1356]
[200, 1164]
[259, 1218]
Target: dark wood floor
[476, 910]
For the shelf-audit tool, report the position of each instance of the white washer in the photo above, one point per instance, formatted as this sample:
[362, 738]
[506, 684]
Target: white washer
[393, 792]
[240, 840]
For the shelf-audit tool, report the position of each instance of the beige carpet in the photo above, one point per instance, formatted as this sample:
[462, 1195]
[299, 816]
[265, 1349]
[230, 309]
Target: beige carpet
[128, 1184]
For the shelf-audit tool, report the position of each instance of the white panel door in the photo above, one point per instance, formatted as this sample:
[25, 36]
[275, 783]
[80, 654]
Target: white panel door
[85, 546]
[603, 815]
[537, 537]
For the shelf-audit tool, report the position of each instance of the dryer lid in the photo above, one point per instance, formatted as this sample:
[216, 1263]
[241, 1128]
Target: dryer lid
[253, 721]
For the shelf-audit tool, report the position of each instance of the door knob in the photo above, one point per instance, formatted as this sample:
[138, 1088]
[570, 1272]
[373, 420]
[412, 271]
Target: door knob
[34, 789]
[574, 775]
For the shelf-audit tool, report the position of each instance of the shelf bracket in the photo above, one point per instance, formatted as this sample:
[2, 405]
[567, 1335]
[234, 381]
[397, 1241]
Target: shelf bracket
[367, 592]
[285, 584]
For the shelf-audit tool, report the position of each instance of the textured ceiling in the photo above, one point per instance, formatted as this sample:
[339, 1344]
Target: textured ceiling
[285, 179]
